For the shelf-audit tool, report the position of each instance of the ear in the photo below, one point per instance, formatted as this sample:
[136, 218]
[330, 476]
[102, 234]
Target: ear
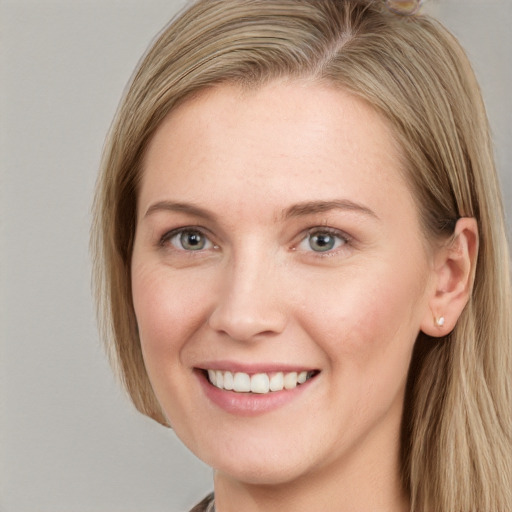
[454, 273]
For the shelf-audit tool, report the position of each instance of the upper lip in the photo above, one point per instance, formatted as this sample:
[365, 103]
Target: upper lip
[252, 368]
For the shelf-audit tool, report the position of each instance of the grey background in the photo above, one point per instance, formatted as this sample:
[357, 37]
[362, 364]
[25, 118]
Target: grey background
[69, 439]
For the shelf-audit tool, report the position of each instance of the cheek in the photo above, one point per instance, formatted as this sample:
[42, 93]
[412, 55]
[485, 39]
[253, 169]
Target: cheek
[367, 318]
[367, 328]
[168, 310]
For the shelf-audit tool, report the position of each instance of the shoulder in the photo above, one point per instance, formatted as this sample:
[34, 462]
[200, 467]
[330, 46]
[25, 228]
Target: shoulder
[204, 506]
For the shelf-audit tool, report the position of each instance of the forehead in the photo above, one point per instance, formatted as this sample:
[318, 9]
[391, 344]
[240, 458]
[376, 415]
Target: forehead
[286, 141]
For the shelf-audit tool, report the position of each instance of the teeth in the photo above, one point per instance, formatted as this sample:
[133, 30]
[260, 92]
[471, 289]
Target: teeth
[242, 383]
[290, 380]
[228, 381]
[219, 379]
[260, 383]
[302, 377]
[277, 382]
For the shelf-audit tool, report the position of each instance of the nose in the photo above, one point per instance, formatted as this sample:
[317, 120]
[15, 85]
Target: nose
[250, 305]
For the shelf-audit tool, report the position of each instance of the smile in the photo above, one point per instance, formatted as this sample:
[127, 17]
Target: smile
[260, 383]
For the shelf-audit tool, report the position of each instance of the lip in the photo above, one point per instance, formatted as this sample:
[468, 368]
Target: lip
[249, 404]
[252, 368]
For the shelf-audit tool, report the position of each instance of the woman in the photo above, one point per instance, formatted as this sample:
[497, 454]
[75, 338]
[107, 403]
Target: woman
[301, 258]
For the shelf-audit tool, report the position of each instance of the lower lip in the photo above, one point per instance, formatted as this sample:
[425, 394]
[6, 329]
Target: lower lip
[250, 404]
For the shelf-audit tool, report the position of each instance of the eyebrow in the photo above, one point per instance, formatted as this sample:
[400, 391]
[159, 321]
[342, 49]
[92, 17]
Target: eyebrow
[312, 207]
[171, 206]
[297, 210]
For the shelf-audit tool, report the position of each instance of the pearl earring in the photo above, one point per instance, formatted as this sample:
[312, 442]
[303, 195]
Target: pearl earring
[440, 321]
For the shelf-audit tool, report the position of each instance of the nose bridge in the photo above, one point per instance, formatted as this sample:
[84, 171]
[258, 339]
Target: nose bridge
[250, 304]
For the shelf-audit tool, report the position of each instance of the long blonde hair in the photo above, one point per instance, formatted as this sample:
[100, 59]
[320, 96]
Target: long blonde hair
[457, 422]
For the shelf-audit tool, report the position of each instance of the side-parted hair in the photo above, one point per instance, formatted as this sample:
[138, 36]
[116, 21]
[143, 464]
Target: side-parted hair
[457, 424]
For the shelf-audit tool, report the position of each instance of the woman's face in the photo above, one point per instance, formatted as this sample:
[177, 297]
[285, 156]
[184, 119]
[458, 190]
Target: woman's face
[276, 241]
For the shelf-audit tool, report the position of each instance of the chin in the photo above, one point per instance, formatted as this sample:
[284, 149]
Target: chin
[257, 463]
[259, 473]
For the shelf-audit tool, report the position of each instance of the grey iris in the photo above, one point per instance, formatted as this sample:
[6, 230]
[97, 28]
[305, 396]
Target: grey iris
[322, 242]
[192, 240]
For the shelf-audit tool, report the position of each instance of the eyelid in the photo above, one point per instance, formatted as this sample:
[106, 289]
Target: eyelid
[342, 235]
[166, 238]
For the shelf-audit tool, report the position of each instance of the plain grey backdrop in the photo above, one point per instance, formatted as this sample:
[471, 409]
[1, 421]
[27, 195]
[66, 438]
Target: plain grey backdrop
[69, 439]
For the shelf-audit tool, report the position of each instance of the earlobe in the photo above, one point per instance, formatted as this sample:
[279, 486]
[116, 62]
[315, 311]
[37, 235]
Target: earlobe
[454, 273]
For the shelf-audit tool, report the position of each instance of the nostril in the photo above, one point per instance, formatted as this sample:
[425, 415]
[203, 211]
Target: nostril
[246, 325]
[250, 302]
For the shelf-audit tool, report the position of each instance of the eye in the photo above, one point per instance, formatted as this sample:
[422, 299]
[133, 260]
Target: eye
[188, 239]
[322, 240]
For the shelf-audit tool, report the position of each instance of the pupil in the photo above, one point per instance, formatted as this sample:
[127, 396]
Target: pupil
[192, 240]
[322, 242]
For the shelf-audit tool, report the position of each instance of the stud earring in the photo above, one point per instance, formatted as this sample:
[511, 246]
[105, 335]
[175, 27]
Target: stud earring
[439, 321]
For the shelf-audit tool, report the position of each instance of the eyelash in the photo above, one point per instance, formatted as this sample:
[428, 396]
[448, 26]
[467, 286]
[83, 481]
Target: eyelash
[168, 237]
[341, 239]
